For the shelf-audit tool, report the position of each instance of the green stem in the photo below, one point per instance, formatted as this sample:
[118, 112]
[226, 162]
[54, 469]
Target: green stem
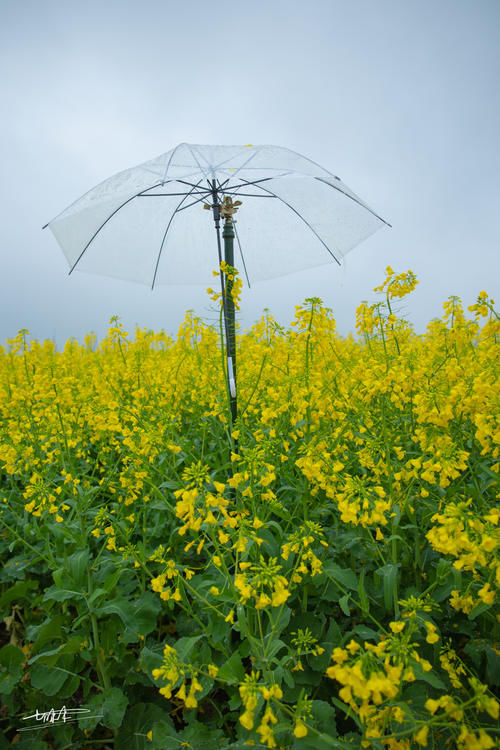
[26, 544]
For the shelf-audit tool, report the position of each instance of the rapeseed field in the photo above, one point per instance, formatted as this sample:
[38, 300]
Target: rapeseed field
[322, 573]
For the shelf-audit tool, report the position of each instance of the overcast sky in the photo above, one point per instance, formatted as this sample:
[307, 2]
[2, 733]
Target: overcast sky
[399, 98]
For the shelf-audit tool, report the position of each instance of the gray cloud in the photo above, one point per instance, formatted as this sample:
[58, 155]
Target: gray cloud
[397, 98]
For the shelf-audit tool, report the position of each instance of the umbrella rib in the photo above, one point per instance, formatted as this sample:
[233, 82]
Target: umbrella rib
[103, 225]
[219, 187]
[256, 182]
[302, 218]
[198, 200]
[233, 188]
[166, 232]
[247, 195]
[192, 184]
[205, 173]
[353, 198]
[170, 195]
[203, 192]
[211, 167]
[170, 160]
[252, 156]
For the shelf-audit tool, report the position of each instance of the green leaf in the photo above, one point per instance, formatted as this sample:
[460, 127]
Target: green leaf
[16, 593]
[164, 735]
[241, 620]
[28, 742]
[364, 632]
[201, 736]
[60, 595]
[274, 648]
[281, 622]
[232, 670]
[139, 616]
[334, 634]
[308, 677]
[323, 720]
[344, 576]
[344, 606]
[149, 660]
[331, 592]
[324, 717]
[46, 657]
[443, 592]
[89, 721]
[493, 666]
[111, 581]
[475, 649]
[347, 710]
[363, 598]
[48, 631]
[113, 707]
[72, 646]
[70, 686]
[217, 629]
[288, 678]
[478, 610]
[146, 611]
[107, 708]
[234, 702]
[184, 647]
[77, 566]
[269, 542]
[320, 663]
[443, 568]
[429, 677]
[95, 595]
[59, 575]
[318, 742]
[49, 681]
[389, 575]
[11, 670]
[121, 607]
[110, 632]
[139, 719]
[15, 567]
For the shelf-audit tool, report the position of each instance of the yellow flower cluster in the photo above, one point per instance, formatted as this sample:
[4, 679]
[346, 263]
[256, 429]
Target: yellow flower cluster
[305, 643]
[483, 308]
[233, 285]
[452, 665]
[474, 540]
[451, 709]
[372, 677]
[42, 497]
[263, 582]
[160, 584]
[299, 544]
[198, 505]
[173, 672]
[251, 692]
[397, 285]
[379, 317]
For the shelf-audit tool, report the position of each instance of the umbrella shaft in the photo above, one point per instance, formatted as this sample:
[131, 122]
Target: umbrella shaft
[229, 316]
[228, 236]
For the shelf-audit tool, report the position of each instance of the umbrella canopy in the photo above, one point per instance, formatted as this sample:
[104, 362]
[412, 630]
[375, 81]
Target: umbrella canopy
[145, 224]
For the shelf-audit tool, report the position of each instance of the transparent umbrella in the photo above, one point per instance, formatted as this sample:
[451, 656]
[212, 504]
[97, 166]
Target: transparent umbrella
[145, 224]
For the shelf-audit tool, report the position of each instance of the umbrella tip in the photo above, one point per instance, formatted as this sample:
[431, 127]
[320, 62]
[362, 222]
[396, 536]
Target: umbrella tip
[46, 225]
